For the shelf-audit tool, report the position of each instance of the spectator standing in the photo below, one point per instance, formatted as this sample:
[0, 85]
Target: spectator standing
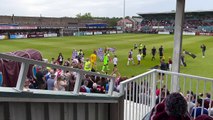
[163, 66]
[87, 65]
[203, 47]
[67, 62]
[52, 61]
[40, 79]
[51, 81]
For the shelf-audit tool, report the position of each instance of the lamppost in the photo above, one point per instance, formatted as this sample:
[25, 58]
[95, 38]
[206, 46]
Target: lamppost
[124, 8]
[179, 21]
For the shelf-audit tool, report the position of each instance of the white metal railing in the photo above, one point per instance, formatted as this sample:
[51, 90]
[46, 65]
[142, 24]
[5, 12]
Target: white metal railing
[25, 66]
[140, 91]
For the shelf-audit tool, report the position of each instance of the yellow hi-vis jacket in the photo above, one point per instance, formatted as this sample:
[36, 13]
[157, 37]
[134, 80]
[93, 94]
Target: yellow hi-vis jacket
[87, 66]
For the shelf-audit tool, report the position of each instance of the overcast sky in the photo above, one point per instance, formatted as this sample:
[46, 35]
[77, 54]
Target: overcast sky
[101, 8]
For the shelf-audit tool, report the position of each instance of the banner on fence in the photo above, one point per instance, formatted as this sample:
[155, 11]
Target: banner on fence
[188, 33]
[17, 36]
[158, 27]
[35, 35]
[206, 34]
[119, 32]
[51, 35]
[18, 27]
[97, 33]
[112, 32]
[3, 37]
[88, 33]
[164, 33]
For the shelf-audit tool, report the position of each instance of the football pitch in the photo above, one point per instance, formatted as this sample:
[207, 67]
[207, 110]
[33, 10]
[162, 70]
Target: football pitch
[50, 47]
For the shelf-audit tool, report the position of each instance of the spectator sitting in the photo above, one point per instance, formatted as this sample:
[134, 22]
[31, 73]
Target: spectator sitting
[174, 107]
[190, 98]
[204, 117]
[97, 88]
[208, 97]
[164, 93]
[84, 87]
[51, 81]
[196, 111]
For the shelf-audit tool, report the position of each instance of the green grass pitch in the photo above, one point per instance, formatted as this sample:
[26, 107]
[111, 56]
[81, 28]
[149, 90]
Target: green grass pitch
[50, 47]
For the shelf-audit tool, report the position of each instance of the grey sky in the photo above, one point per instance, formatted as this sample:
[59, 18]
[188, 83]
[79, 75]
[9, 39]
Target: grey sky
[102, 8]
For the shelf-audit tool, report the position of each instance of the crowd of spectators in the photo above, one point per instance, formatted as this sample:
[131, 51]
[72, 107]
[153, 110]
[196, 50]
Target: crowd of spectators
[47, 78]
[155, 22]
[195, 24]
[177, 106]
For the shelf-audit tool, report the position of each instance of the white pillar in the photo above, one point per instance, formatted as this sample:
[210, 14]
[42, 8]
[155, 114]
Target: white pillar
[77, 83]
[179, 20]
[22, 76]
[61, 32]
[153, 98]
[111, 86]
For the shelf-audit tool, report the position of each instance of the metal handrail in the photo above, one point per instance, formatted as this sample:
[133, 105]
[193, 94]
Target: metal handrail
[144, 86]
[184, 75]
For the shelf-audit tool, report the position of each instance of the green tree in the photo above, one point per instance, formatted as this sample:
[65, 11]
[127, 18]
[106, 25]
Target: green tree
[84, 16]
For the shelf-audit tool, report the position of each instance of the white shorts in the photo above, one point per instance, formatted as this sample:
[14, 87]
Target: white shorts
[130, 59]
